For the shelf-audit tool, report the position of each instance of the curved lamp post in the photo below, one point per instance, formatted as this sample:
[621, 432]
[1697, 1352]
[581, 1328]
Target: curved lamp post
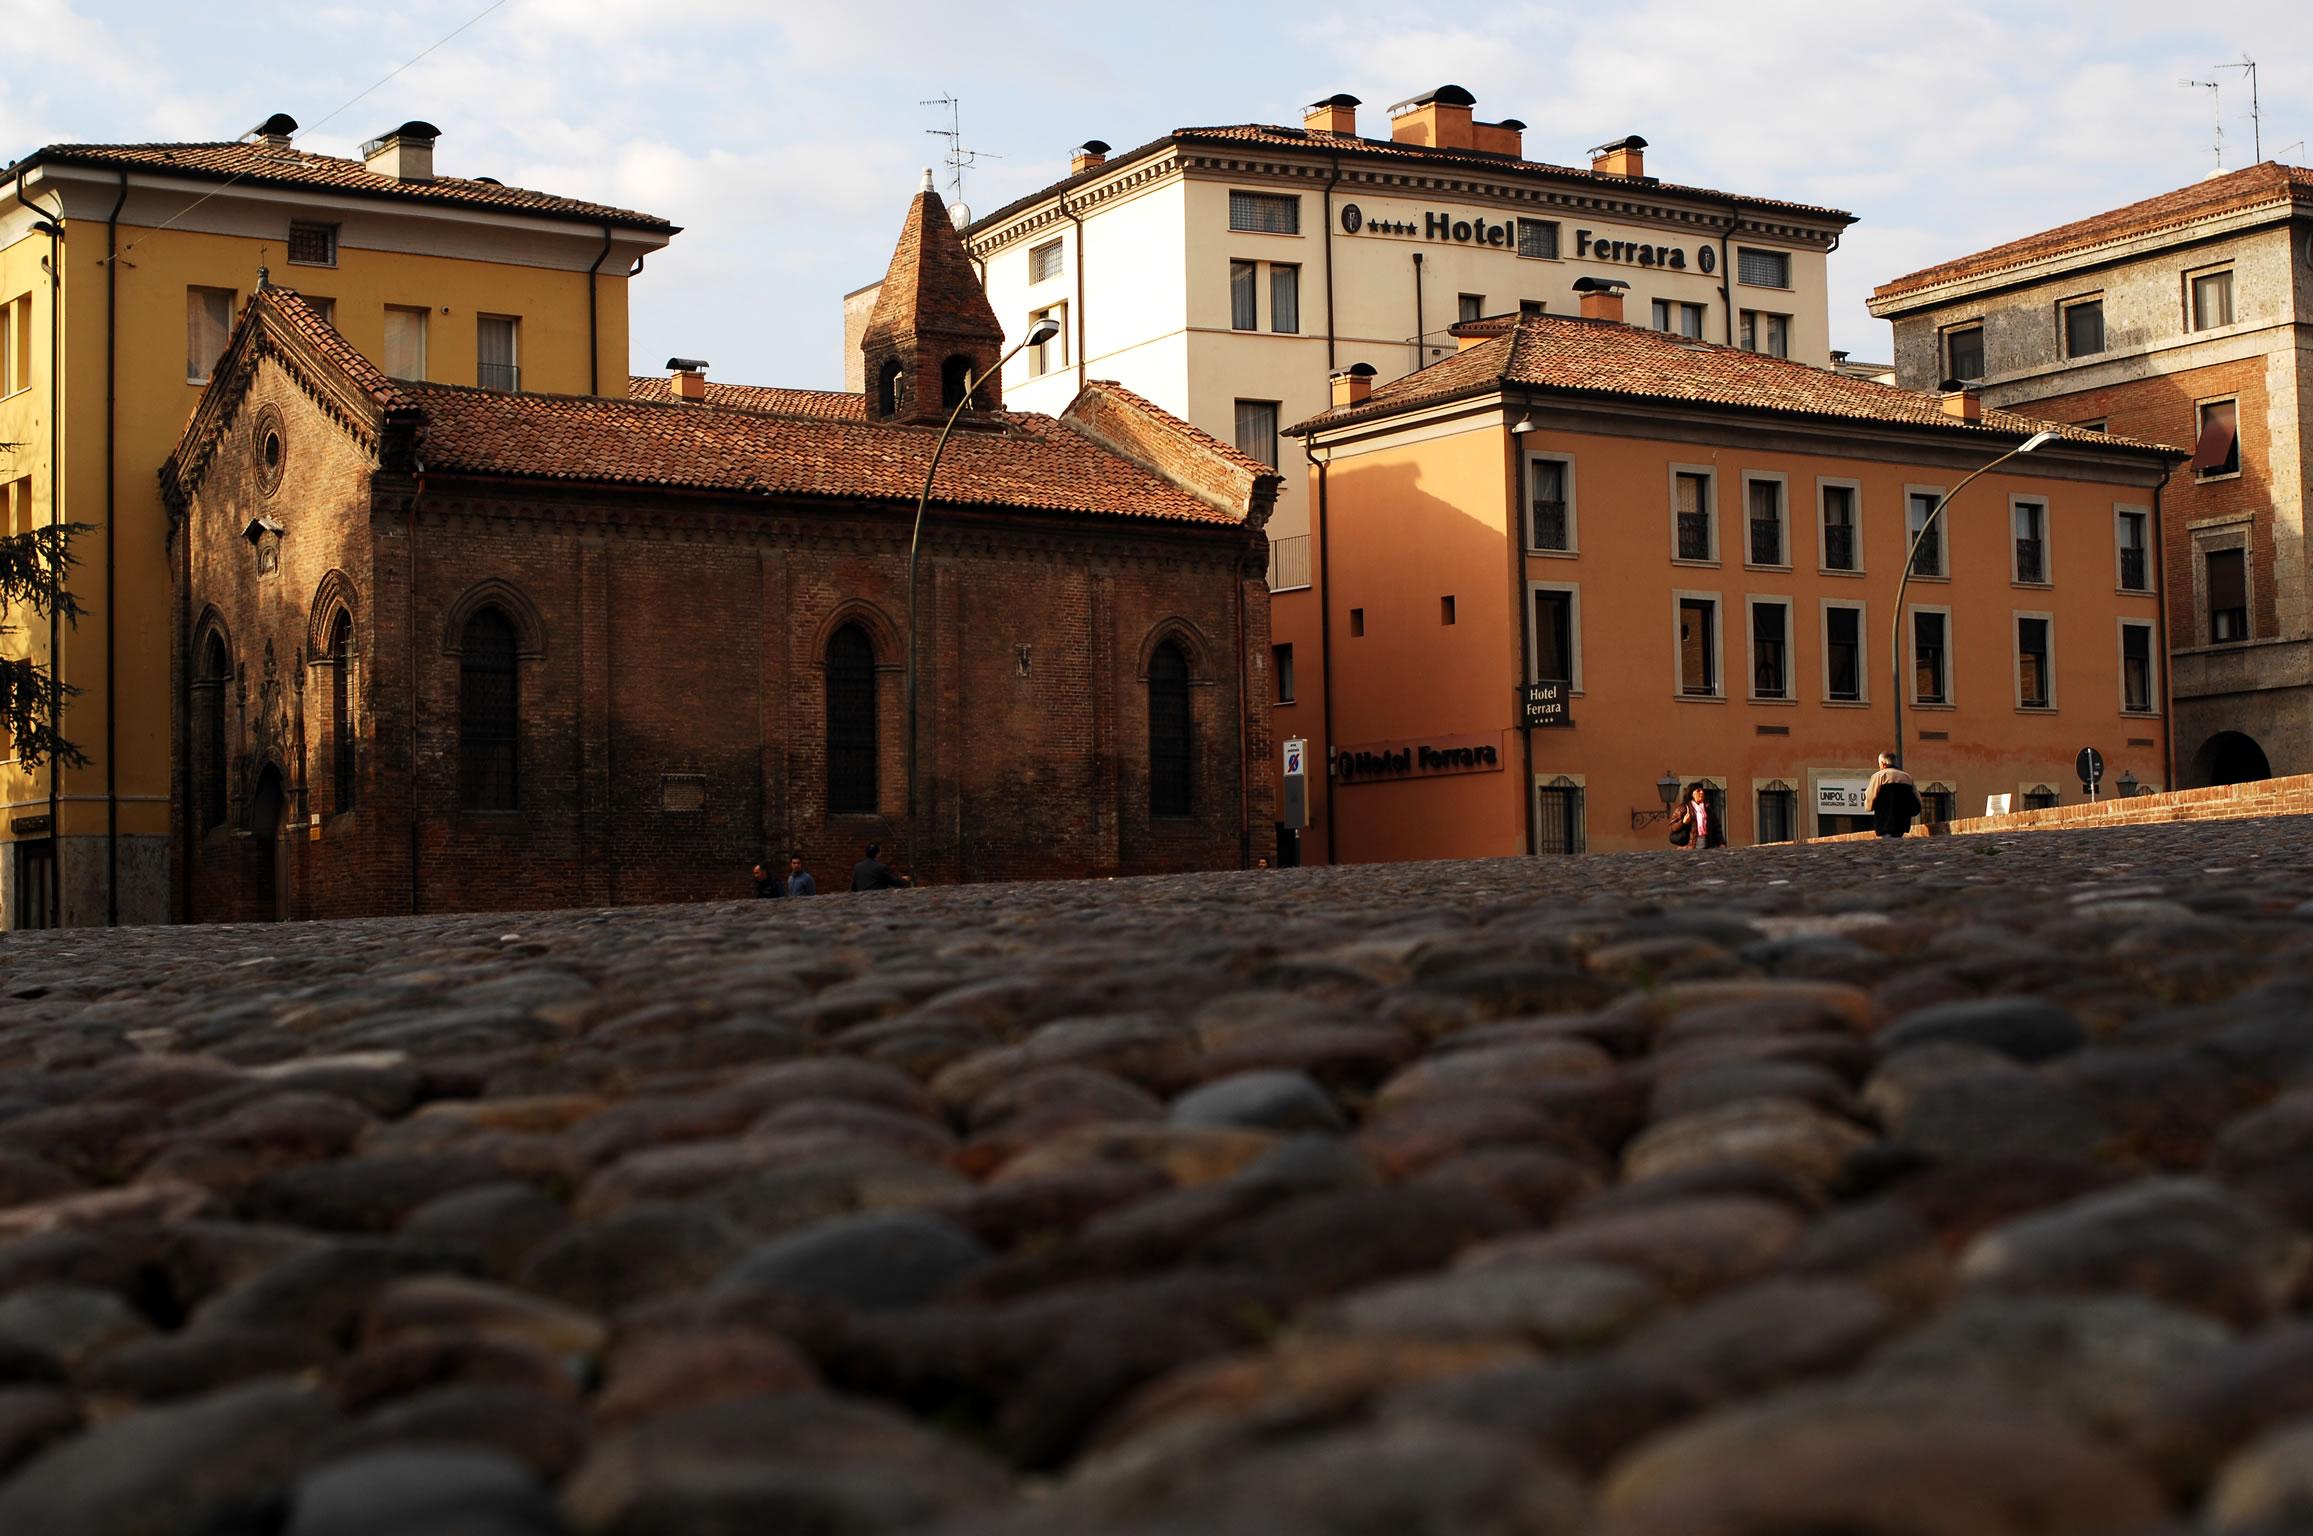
[1042, 331]
[1895, 626]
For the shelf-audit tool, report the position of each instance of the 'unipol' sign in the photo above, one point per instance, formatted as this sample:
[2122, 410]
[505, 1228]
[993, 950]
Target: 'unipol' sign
[1839, 795]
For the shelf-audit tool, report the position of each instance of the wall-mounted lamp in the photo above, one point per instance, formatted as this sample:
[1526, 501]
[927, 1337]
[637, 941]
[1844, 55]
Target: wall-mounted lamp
[2128, 784]
[1666, 789]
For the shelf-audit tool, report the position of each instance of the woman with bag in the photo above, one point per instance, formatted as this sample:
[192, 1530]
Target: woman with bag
[1693, 825]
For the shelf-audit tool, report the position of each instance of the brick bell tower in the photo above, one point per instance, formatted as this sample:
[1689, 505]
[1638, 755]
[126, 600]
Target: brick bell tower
[932, 329]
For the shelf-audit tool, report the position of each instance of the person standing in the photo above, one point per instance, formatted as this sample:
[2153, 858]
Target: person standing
[872, 873]
[767, 885]
[799, 881]
[1892, 797]
[1695, 818]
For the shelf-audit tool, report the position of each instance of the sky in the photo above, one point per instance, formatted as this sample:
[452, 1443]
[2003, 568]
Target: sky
[787, 138]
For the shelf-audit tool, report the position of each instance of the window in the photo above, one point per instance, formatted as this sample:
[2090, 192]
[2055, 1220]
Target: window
[216, 676]
[312, 245]
[1691, 507]
[2084, 327]
[1935, 804]
[1169, 748]
[1929, 678]
[2217, 442]
[1528, 308]
[1357, 623]
[1285, 299]
[2097, 425]
[2031, 519]
[1446, 609]
[1698, 646]
[1763, 332]
[2212, 299]
[1840, 544]
[15, 518]
[1555, 637]
[208, 326]
[341, 711]
[489, 714]
[1928, 556]
[1472, 306]
[2227, 575]
[955, 381]
[1282, 658]
[1778, 812]
[1538, 238]
[1550, 504]
[2136, 667]
[1044, 261]
[1762, 269]
[1679, 318]
[852, 756]
[405, 343]
[1770, 650]
[1842, 653]
[1964, 353]
[496, 364]
[1257, 430]
[2130, 525]
[16, 344]
[1559, 831]
[890, 387]
[325, 308]
[1265, 213]
[1244, 296]
[1766, 498]
[2034, 688]
[1051, 355]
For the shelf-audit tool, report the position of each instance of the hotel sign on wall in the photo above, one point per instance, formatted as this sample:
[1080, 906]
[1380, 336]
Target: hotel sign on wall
[1475, 229]
[1435, 757]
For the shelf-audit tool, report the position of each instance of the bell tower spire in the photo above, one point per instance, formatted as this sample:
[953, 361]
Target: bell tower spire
[932, 330]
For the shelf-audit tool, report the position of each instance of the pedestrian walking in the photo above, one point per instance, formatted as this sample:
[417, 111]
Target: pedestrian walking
[1693, 825]
[873, 874]
[799, 881]
[1892, 797]
[766, 883]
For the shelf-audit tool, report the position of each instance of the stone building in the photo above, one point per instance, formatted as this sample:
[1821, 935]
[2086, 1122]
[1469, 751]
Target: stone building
[450, 648]
[2179, 319]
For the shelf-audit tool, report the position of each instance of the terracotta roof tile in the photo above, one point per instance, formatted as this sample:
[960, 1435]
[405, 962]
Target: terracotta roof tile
[262, 164]
[301, 318]
[771, 399]
[2256, 186]
[1608, 359]
[1270, 135]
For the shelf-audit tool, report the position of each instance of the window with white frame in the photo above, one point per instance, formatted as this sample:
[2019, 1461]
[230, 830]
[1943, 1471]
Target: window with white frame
[2032, 565]
[2225, 581]
[1778, 812]
[16, 344]
[208, 325]
[1051, 354]
[2035, 660]
[1844, 673]
[1842, 526]
[2136, 664]
[1244, 295]
[1257, 430]
[1044, 261]
[1468, 307]
[1678, 317]
[1762, 269]
[1931, 656]
[405, 342]
[1557, 635]
[1765, 332]
[2131, 528]
[1550, 503]
[1769, 538]
[2211, 298]
[1265, 213]
[1284, 298]
[497, 364]
[1692, 536]
[1770, 648]
[1698, 641]
[1928, 552]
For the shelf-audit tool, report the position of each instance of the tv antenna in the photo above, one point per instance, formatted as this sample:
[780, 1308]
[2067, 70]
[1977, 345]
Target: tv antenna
[2256, 122]
[2215, 97]
[959, 159]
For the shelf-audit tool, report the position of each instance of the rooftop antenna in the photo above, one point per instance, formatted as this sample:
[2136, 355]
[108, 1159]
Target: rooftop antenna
[959, 158]
[2214, 96]
[2256, 122]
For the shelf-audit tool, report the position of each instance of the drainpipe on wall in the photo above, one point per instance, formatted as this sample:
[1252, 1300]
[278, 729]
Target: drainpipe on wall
[1727, 268]
[594, 321]
[1324, 638]
[111, 608]
[1518, 595]
[1333, 180]
[1417, 367]
[2160, 589]
[1077, 219]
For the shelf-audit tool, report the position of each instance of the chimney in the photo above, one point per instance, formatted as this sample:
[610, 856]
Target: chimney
[406, 154]
[1963, 402]
[1440, 119]
[275, 130]
[1601, 297]
[1623, 157]
[1352, 385]
[1507, 137]
[1087, 155]
[687, 376]
[1336, 114]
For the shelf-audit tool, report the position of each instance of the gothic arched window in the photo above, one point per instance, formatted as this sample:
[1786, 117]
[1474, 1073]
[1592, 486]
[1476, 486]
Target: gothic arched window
[1170, 758]
[341, 710]
[851, 745]
[489, 714]
[887, 389]
[216, 677]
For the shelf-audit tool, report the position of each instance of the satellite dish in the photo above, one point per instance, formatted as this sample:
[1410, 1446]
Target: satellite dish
[959, 214]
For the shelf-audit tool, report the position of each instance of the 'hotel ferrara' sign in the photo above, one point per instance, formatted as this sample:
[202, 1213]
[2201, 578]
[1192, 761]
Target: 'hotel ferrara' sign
[1429, 758]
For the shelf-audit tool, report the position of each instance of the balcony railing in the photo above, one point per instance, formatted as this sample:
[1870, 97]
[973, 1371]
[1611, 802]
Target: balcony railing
[1839, 548]
[2028, 560]
[1766, 541]
[1289, 563]
[1929, 560]
[506, 376]
[2132, 570]
[1549, 525]
[1694, 536]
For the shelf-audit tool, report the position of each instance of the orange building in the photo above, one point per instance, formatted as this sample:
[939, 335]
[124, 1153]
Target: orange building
[1681, 560]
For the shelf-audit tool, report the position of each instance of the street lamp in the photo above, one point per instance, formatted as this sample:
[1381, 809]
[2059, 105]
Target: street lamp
[1895, 625]
[1666, 789]
[1039, 333]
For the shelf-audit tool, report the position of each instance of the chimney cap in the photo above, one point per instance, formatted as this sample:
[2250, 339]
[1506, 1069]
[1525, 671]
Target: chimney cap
[279, 126]
[1952, 386]
[686, 365]
[1512, 124]
[1354, 371]
[1444, 96]
[1094, 146]
[1599, 285]
[1627, 141]
[1338, 99]
[416, 128]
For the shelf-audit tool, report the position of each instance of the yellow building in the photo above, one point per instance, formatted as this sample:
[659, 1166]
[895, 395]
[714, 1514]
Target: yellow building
[122, 267]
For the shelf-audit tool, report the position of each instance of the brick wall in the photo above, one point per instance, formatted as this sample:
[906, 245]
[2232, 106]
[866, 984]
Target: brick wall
[2223, 802]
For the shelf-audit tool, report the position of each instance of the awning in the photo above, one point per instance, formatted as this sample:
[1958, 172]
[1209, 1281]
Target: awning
[2214, 451]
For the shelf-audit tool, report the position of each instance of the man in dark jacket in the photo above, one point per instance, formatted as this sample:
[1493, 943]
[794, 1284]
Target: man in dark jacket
[872, 873]
[1892, 797]
[768, 884]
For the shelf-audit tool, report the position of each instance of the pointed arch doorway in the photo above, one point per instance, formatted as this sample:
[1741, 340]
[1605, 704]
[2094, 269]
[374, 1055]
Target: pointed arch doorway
[265, 808]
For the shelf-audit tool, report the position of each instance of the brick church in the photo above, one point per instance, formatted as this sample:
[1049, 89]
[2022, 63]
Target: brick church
[442, 648]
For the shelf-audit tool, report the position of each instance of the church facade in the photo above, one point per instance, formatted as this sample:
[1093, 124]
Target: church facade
[442, 648]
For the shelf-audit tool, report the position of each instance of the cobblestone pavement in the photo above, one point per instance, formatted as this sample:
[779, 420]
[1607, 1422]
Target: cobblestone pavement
[1932, 1189]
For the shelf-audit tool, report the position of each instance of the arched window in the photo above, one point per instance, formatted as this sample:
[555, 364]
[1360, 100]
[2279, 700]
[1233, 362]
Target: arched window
[887, 388]
[489, 714]
[955, 378]
[1170, 763]
[341, 710]
[851, 754]
[216, 675]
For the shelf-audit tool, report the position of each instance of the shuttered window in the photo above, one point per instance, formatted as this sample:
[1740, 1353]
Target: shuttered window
[489, 715]
[851, 723]
[1170, 761]
[1265, 213]
[2217, 446]
[1763, 269]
